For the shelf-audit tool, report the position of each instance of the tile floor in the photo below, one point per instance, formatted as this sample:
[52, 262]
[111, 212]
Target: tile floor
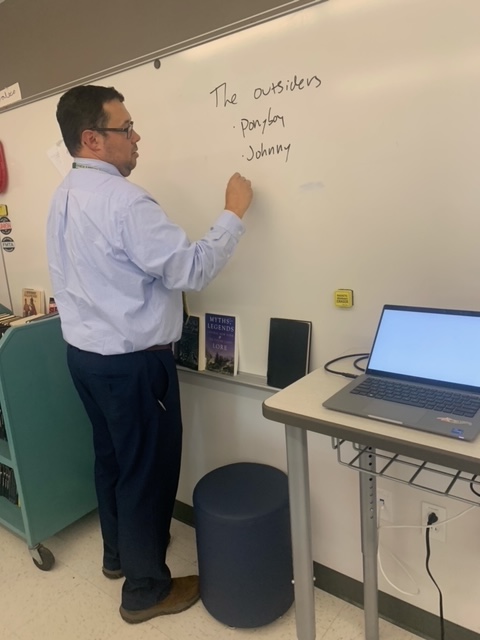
[74, 601]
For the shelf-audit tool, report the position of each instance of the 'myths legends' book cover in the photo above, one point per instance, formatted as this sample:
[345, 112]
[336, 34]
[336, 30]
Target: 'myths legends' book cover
[189, 351]
[221, 343]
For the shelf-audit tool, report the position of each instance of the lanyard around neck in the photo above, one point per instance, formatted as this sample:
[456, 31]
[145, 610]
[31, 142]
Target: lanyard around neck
[78, 165]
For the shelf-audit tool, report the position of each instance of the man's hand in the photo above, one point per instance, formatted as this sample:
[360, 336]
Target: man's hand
[238, 195]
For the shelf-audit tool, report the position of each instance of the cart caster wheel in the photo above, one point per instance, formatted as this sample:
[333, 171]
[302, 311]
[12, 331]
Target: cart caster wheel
[42, 558]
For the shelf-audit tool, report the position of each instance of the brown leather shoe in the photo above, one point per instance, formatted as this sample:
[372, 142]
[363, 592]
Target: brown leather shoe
[183, 594]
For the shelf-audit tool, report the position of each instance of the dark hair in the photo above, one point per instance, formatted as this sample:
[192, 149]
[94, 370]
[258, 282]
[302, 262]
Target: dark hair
[81, 108]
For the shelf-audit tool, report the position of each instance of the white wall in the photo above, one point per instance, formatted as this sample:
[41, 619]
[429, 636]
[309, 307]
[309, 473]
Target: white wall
[380, 194]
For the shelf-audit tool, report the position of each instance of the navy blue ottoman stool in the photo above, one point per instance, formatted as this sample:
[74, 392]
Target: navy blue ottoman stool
[242, 525]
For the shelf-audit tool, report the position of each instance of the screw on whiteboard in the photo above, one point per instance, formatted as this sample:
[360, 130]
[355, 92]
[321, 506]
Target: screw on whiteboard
[157, 63]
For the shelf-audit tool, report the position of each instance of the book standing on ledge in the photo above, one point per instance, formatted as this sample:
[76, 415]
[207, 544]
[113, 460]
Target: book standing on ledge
[189, 351]
[221, 343]
[288, 351]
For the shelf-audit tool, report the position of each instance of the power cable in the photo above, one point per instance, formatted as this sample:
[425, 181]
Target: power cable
[432, 519]
[346, 374]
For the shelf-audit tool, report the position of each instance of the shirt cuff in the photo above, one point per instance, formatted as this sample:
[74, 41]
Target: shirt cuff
[231, 223]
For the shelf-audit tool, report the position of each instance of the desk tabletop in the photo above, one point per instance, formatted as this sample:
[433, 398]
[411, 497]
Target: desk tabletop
[300, 405]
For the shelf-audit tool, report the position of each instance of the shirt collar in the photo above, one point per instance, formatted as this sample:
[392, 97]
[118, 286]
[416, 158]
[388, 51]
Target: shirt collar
[99, 165]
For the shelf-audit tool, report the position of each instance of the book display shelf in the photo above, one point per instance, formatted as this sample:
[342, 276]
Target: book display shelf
[242, 378]
[48, 442]
[209, 347]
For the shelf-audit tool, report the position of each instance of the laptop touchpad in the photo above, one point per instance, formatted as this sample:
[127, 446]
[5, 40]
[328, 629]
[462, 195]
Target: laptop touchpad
[401, 413]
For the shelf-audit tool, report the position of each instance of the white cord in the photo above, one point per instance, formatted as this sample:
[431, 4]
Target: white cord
[400, 564]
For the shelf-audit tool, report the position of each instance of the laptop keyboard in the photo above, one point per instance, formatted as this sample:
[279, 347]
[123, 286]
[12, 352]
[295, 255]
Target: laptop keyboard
[452, 402]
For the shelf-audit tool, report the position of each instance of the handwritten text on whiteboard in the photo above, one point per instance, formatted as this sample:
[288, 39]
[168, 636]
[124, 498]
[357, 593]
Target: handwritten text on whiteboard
[270, 119]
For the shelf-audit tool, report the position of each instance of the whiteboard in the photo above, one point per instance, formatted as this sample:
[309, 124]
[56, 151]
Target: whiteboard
[357, 122]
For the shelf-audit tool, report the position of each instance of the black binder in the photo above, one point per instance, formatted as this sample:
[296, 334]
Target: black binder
[288, 351]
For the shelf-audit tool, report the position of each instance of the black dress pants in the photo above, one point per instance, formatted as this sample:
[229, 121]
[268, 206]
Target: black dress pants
[133, 403]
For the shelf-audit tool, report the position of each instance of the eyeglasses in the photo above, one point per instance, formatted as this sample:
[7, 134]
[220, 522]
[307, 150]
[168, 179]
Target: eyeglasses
[128, 130]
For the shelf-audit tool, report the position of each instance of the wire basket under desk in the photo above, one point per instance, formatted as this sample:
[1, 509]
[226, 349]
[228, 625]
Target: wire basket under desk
[422, 475]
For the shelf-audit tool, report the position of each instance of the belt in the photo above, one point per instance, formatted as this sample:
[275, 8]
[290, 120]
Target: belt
[159, 347]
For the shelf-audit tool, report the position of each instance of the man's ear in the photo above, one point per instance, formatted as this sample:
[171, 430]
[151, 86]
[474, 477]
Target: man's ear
[91, 140]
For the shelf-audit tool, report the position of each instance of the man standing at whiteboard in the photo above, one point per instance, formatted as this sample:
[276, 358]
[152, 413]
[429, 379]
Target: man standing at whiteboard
[118, 267]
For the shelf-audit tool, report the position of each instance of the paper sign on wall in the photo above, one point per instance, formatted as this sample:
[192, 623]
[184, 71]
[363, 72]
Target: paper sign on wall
[60, 158]
[10, 94]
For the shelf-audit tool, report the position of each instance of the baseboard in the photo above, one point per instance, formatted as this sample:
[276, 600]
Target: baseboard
[404, 615]
[184, 513]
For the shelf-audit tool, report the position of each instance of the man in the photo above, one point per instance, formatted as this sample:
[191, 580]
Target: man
[118, 267]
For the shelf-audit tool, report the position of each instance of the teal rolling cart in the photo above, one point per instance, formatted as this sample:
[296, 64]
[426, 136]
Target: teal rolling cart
[49, 440]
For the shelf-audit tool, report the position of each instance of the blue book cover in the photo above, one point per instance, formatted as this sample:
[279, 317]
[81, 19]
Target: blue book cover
[189, 351]
[221, 343]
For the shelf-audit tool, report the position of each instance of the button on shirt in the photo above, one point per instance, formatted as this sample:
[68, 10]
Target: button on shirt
[118, 264]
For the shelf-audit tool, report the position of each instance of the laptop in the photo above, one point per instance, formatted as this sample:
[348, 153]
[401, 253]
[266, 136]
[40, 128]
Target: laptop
[423, 372]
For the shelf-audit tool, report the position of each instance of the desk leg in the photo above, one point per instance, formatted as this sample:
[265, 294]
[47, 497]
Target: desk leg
[368, 514]
[299, 493]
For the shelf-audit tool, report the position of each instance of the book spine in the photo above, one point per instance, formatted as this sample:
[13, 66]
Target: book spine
[3, 429]
[8, 485]
[187, 350]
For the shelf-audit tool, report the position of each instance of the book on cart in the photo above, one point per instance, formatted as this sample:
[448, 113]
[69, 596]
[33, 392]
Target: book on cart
[3, 428]
[33, 302]
[8, 485]
[6, 320]
[26, 320]
[221, 343]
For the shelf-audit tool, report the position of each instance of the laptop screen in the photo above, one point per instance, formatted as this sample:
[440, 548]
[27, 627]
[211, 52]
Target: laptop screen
[431, 344]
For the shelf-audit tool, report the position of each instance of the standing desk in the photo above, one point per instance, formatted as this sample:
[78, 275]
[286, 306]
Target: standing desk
[299, 408]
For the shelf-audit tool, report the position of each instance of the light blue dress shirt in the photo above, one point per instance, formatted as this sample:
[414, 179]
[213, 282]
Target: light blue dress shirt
[118, 264]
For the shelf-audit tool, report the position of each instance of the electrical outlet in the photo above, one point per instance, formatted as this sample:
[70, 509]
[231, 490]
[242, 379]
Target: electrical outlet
[385, 505]
[437, 531]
